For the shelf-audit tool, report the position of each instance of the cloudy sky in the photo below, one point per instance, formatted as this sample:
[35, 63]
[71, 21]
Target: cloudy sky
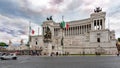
[15, 15]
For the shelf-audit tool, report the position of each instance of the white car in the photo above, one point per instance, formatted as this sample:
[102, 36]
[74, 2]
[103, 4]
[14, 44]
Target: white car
[0, 54]
[8, 56]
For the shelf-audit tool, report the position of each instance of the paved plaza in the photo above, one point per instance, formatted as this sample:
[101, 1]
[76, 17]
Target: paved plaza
[62, 62]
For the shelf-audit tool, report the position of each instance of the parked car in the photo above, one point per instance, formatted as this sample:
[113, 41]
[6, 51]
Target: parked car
[8, 56]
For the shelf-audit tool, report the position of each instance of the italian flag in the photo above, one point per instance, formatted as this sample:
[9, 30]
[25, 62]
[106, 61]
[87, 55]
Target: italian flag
[64, 25]
[31, 30]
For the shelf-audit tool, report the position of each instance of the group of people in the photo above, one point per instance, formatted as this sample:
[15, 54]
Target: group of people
[58, 54]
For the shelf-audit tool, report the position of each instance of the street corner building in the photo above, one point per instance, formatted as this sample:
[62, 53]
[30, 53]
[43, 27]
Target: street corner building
[86, 36]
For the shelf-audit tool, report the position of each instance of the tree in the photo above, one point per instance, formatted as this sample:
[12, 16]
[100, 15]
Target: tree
[119, 39]
[118, 44]
[3, 44]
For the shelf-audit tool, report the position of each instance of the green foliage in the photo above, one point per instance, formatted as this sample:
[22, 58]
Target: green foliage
[2, 44]
[119, 39]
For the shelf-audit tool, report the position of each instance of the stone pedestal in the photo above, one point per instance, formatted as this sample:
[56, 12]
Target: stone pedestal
[48, 48]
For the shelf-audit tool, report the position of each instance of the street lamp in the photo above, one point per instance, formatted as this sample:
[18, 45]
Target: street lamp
[57, 43]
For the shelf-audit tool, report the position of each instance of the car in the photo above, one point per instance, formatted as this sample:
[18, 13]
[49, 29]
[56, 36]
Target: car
[0, 54]
[8, 56]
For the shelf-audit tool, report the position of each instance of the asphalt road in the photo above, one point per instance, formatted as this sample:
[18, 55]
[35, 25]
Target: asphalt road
[62, 62]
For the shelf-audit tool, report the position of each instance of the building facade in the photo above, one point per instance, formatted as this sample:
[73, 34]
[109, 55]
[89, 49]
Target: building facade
[85, 36]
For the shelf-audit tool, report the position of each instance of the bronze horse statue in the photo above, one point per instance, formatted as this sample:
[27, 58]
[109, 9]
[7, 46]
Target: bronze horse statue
[48, 34]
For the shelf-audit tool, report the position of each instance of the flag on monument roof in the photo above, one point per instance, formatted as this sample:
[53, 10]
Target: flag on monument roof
[31, 30]
[63, 24]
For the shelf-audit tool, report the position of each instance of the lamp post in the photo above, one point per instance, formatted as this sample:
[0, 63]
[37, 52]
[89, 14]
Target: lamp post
[62, 43]
[62, 26]
[57, 44]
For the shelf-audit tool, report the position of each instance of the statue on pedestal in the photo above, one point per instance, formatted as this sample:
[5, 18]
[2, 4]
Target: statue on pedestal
[48, 34]
[98, 9]
[50, 18]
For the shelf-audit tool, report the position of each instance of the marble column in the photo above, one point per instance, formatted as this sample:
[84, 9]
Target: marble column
[97, 24]
[80, 29]
[73, 30]
[67, 33]
[101, 23]
[43, 30]
[70, 31]
[88, 28]
[54, 31]
[84, 29]
[76, 30]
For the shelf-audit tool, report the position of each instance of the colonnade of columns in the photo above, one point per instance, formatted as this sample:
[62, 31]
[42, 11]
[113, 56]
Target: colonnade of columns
[56, 31]
[98, 24]
[74, 30]
[77, 30]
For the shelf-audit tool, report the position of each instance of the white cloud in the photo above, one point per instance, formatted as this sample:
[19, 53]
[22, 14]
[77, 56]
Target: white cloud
[45, 7]
[114, 22]
[71, 9]
[40, 3]
[14, 29]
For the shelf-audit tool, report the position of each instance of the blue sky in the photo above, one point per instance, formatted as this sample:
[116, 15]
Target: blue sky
[15, 15]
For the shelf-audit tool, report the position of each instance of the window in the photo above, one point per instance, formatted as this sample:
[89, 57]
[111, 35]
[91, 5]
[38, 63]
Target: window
[94, 22]
[101, 22]
[98, 39]
[97, 22]
[98, 34]
[36, 42]
[53, 47]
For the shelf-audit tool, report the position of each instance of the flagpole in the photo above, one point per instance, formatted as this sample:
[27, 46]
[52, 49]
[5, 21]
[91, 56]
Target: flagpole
[29, 35]
[29, 28]
[38, 31]
[62, 42]
[62, 18]
[62, 37]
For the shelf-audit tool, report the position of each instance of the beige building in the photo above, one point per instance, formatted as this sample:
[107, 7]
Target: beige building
[22, 46]
[83, 36]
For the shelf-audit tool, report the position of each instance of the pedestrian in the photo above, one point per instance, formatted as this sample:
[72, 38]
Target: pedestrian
[118, 54]
[56, 53]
